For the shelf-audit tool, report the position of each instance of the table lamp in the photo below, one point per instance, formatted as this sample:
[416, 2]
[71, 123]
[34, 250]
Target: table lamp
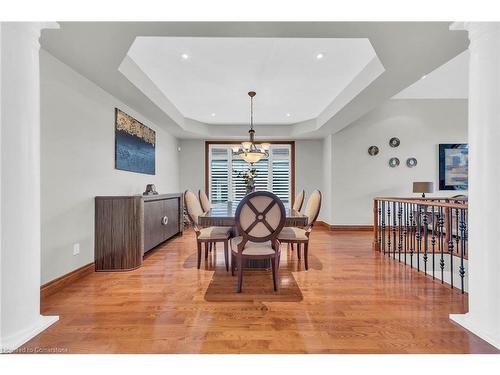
[423, 187]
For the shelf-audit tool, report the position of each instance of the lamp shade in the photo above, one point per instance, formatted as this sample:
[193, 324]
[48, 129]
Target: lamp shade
[423, 187]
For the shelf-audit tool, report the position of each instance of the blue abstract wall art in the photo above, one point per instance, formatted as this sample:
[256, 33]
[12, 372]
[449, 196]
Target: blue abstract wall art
[453, 166]
[134, 145]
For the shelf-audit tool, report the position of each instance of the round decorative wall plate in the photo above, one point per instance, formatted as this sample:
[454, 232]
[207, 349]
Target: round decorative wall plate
[411, 162]
[393, 162]
[373, 150]
[394, 142]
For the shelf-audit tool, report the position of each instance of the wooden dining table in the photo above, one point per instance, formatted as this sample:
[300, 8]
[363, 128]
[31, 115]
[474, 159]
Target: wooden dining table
[223, 215]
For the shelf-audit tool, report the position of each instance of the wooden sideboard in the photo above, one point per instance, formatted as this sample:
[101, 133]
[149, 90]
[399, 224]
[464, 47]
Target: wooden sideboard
[126, 227]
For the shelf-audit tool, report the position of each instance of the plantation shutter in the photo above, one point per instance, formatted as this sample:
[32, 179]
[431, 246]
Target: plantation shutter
[281, 173]
[240, 167]
[228, 170]
[219, 176]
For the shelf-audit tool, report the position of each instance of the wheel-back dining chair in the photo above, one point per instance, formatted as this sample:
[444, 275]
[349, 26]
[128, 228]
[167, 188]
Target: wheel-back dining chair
[205, 202]
[206, 235]
[299, 236]
[260, 217]
[299, 201]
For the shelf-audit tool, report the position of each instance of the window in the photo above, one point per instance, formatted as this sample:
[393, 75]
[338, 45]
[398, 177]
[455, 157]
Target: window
[225, 171]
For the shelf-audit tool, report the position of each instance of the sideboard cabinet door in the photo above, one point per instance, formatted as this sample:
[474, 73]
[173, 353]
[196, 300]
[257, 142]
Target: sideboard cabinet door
[172, 214]
[154, 230]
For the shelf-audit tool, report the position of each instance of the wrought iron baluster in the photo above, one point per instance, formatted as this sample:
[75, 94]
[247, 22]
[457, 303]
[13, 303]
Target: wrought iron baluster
[389, 228]
[394, 218]
[400, 229]
[433, 242]
[383, 227]
[457, 231]
[379, 223]
[426, 239]
[406, 229]
[418, 234]
[450, 243]
[441, 242]
[412, 226]
[461, 270]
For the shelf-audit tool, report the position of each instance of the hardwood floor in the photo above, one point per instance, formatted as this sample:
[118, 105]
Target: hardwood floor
[352, 300]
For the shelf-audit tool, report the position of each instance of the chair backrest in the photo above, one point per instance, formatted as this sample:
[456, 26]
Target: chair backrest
[193, 206]
[299, 201]
[260, 217]
[205, 202]
[313, 206]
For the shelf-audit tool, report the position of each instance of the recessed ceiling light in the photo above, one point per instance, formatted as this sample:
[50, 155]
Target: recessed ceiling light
[213, 115]
[287, 115]
[185, 56]
[424, 76]
[320, 55]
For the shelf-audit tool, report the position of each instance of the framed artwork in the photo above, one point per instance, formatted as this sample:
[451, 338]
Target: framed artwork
[134, 145]
[453, 166]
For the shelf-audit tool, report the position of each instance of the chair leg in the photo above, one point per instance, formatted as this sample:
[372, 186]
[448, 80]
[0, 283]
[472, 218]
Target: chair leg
[198, 243]
[206, 250]
[298, 250]
[306, 255]
[275, 273]
[233, 265]
[226, 255]
[240, 274]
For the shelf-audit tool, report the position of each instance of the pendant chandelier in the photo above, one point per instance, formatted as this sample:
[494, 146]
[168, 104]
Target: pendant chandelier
[249, 151]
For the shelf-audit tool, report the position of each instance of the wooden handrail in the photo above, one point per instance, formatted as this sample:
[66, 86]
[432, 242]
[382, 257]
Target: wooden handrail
[424, 202]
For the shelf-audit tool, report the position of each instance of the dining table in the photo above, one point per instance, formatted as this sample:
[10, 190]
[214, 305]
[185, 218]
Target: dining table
[223, 215]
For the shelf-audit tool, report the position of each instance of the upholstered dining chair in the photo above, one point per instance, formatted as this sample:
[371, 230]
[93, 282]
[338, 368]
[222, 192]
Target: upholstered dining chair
[299, 201]
[206, 235]
[260, 217]
[300, 236]
[205, 202]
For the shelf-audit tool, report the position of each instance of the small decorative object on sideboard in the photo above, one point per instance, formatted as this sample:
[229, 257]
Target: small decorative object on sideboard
[373, 150]
[393, 162]
[150, 190]
[394, 142]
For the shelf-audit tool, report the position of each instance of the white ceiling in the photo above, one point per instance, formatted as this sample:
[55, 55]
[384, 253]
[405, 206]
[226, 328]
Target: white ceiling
[449, 81]
[211, 81]
[404, 52]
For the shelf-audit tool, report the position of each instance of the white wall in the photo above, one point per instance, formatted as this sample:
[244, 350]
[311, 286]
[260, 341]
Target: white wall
[308, 165]
[192, 165]
[420, 125]
[77, 145]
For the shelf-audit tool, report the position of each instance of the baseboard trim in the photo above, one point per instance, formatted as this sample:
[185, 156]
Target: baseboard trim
[466, 322]
[347, 227]
[13, 342]
[57, 284]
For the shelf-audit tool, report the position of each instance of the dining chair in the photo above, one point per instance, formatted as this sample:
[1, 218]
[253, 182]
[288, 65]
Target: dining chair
[205, 202]
[299, 201]
[300, 236]
[297, 205]
[260, 217]
[206, 235]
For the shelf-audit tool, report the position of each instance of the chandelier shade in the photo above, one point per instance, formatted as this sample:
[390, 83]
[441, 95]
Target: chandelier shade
[248, 151]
